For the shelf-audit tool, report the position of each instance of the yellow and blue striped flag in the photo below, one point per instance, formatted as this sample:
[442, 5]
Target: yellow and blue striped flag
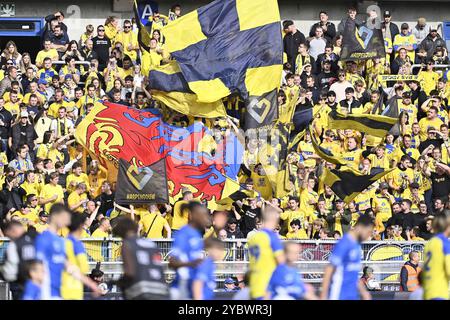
[228, 46]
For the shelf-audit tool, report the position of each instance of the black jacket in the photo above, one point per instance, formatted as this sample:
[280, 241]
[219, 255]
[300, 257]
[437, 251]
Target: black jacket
[16, 136]
[393, 28]
[329, 34]
[6, 117]
[290, 45]
[430, 45]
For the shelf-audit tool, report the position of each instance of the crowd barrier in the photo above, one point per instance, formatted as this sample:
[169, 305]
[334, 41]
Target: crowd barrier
[385, 257]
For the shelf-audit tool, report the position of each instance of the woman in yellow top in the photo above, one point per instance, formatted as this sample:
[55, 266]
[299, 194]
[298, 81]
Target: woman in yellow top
[112, 27]
[88, 34]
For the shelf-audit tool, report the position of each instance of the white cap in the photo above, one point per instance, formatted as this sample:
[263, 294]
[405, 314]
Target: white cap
[24, 114]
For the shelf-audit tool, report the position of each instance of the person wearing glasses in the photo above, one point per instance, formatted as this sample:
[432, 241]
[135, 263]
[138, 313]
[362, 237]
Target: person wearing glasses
[102, 46]
[129, 40]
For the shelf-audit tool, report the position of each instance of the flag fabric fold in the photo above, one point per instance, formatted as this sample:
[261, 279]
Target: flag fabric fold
[375, 125]
[347, 183]
[168, 86]
[228, 46]
[324, 153]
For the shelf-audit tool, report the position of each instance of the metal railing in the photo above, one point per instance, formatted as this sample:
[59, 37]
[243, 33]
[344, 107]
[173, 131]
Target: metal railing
[385, 257]
[435, 66]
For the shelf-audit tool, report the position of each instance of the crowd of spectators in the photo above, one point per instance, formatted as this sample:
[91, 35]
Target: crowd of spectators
[44, 98]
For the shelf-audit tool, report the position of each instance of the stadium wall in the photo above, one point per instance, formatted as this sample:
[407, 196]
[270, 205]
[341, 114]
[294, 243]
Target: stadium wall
[79, 13]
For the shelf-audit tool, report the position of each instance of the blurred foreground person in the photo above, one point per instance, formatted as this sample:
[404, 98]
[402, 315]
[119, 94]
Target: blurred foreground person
[143, 274]
[286, 283]
[436, 267]
[341, 279]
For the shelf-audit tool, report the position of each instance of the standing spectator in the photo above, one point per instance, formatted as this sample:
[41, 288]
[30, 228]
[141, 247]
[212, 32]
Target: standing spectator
[340, 86]
[21, 163]
[303, 58]
[111, 27]
[351, 14]
[129, 40]
[317, 43]
[58, 19]
[339, 219]
[292, 41]
[405, 40]
[59, 40]
[391, 29]
[51, 193]
[47, 52]
[409, 274]
[88, 51]
[23, 132]
[88, 34]
[421, 30]
[432, 42]
[102, 47]
[233, 231]
[329, 29]
[5, 125]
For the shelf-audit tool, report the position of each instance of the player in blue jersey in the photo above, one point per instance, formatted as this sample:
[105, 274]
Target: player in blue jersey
[204, 280]
[286, 283]
[341, 276]
[51, 250]
[187, 250]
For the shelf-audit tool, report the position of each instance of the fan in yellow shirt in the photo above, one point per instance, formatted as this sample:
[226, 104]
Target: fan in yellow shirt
[152, 224]
[297, 232]
[180, 217]
[431, 121]
[42, 224]
[428, 78]
[47, 52]
[26, 216]
[76, 177]
[51, 193]
[31, 185]
[128, 39]
[293, 213]
[78, 198]
[103, 229]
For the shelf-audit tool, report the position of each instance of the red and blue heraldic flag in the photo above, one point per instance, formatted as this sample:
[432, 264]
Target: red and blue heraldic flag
[195, 158]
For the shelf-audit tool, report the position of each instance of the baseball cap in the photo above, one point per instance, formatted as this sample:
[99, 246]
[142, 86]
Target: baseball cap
[433, 28]
[384, 185]
[232, 221]
[387, 13]
[24, 114]
[68, 76]
[229, 281]
[404, 26]
[331, 93]
[339, 200]
[42, 81]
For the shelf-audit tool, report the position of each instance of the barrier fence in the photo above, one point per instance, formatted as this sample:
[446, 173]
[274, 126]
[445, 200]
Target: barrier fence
[385, 257]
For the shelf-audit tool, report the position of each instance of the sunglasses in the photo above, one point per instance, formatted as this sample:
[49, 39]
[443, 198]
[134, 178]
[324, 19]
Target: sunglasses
[101, 30]
[127, 27]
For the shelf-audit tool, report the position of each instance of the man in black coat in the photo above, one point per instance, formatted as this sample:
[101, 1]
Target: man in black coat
[23, 132]
[329, 29]
[291, 41]
[391, 28]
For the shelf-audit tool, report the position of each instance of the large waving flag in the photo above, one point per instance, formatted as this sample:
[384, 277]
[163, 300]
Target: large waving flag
[169, 87]
[361, 43]
[193, 157]
[372, 124]
[324, 153]
[229, 46]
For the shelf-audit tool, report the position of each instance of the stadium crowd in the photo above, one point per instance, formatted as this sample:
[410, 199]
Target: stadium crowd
[42, 102]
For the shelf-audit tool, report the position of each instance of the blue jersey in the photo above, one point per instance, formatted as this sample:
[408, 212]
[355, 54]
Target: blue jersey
[346, 258]
[187, 247]
[51, 250]
[286, 281]
[32, 291]
[205, 273]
